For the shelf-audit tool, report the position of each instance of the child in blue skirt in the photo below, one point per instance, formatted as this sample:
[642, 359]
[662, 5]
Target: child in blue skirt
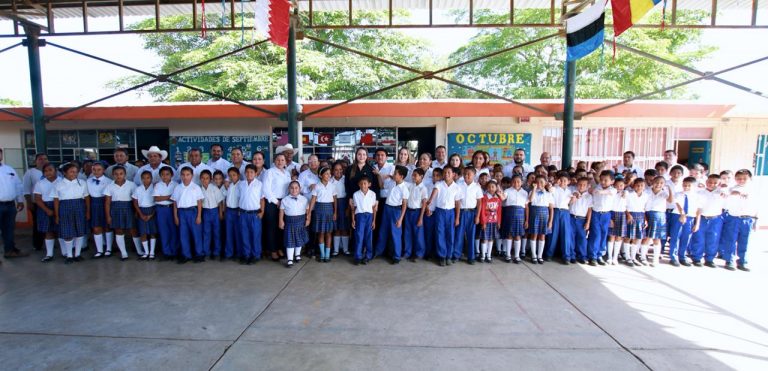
[144, 205]
[97, 183]
[118, 207]
[514, 215]
[294, 220]
[71, 211]
[618, 227]
[489, 218]
[341, 233]
[636, 222]
[46, 222]
[323, 209]
[655, 211]
[540, 216]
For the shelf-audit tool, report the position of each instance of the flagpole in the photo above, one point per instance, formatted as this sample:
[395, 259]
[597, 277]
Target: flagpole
[570, 87]
[293, 132]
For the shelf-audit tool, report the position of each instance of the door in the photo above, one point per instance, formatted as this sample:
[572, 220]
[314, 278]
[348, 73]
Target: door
[417, 140]
[699, 152]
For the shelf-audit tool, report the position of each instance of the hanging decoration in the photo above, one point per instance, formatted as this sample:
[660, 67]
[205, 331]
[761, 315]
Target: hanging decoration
[584, 31]
[272, 19]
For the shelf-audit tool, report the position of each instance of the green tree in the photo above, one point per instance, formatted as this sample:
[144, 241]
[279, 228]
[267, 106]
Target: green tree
[258, 73]
[537, 71]
[9, 102]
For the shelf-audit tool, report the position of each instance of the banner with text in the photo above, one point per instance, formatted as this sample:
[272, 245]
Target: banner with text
[500, 146]
[247, 143]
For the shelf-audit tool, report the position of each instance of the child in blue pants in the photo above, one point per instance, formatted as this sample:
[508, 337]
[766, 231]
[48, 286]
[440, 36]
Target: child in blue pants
[166, 227]
[707, 239]
[447, 199]
[188, 210]
[364, 205]
[684, 222]
[469, 217]
[414, 217]
[602, 203]
[233, 239]
[213, 212]
[740, 222]
[581, 216]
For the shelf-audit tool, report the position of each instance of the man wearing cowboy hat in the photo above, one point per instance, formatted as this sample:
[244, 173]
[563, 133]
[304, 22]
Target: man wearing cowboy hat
[288, 151]
[121, 159]
[195, 162]
[155, 157]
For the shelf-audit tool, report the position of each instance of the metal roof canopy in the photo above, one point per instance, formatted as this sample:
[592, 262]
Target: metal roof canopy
[46, 12]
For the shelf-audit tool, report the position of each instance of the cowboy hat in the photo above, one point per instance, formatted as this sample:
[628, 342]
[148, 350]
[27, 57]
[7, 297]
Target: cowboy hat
[281, 149]
[155, 149]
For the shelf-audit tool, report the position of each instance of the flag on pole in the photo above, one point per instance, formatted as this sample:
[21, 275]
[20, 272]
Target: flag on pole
[584, 31]
[273, 20]
[628, 12]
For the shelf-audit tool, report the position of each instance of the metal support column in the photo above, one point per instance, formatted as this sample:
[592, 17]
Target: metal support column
[570, 87]
[293, 129]
[33, 44]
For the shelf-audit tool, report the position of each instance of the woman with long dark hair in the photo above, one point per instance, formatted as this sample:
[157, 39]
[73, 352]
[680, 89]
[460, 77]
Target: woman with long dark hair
[275, 187]
[358, 169]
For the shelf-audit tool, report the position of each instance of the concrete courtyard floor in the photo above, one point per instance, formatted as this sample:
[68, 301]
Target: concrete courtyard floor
[414, 316]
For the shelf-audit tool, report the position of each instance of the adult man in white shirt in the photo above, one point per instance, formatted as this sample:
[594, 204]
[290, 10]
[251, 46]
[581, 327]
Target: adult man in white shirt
[670, 157]
[545, 159]
[155, 156]
[441, 157]
[216, 162]
[31, 177]
[195, 162]
[308, 178]
[628, 164]
[11, 202]
[121, 159]
[517, 160]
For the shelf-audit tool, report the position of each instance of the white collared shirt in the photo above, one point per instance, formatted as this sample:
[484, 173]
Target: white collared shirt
[562, 197]
[620, 201]
[155, 173]
[657, 201]
[323, 192]
[364, 203]
[386, 173]
[447, 195]
[232, 195]
[144, 196]
[221, 165]
[44, 188]
[276, 183]
[306, 179]
[636, 203]
[693, 205]
[66, 189]
[602, 198]
[634, 169]
[97, 186]
[542, 198]
[470, 195]
[581, 205]
[11, 188]
[294, 205]
[508, 168]
[31, 177]
[241, 168]
[120, 192]
[338, 185]
[516, 197]
[212, 196]
[712, 203]
[398, 194]
[250, 194]
[417, 193]
[478, 172]
[130, 171]
[742, 206]
[676, 188]
[196, 170]
[162, 189]
[436, 164]
[187, 196]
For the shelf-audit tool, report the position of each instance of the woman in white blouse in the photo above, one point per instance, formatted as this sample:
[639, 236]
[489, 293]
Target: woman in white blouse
[275, 187]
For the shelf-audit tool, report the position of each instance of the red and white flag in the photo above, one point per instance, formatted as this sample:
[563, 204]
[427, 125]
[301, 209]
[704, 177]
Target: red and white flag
[273, 20]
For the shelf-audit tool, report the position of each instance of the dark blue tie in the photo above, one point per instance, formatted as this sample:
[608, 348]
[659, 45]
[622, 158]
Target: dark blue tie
[685, 205]
[96, 181]
[295, 198]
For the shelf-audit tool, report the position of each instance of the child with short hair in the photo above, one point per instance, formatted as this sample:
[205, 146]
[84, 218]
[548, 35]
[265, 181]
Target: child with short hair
[560, 236]
[430, 242]
[741, 220]
[71, 205]
[341, 230]
[213, 213]
[539, 221]
[363, 204]
[447, 199]
[46, 221]
[707, 239]
[514, 215]
[118, 206]
[144, 206]
[636, 219]
[233, 241]
[662, 169]
[489, 217]
[471, 194]
[655, 212]
[295, 213]
[166, 225]
[618, 228]
[188, 215]
[391, 225]
[413, 234]
[324, 212]
[98, 223]
[684, 222]
[252, 203]
[602, 203]
[581, 220]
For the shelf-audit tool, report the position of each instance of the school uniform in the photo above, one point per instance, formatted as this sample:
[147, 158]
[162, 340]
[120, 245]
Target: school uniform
[121, 205]
[671, 206]
[602, 204]
[155, 173]
[130, 170]
[707, 239]
[445, 217]
[306, 179]
[681, 232]
[166, 227]
[342, 220]
[71, 195]
[387, 172]
[233, 239]
[250, 195]
[96, 188]
[490, 218]
[470, 195]
[43, 222]
[619, 215]
[212, 198]
[221, 165]
[30, 179]
[274, 187]
[295, 217]
[655, 211]
[579, 210]
[145, 198]
[538, 216]
[388, 229]
[363, 204]
[413, 234]
[636, 208]
[186, 198]
[196, 170]
[430, 247]
[322, 213]
[560, 237]
[632, 169]
[742, 214]
[513, 213]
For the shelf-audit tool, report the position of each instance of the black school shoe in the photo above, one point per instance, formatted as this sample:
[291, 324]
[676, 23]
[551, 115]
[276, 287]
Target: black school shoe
[743, 267]
[442, 262]
[69, 261]
[729, 266]
[592, 263]
[710, 264]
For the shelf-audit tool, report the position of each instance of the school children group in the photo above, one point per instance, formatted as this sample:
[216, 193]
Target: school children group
[442, 210]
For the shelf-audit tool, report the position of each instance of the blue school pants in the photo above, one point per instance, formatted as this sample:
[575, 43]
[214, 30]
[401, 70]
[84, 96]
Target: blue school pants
[188, 228]
[466, 232]
[679, 237]
[429, 235]
[234, 239]
[445, 220]
[413, 234]
[211, 229]
[388, 230]
[707, 240]
[736, 232]
[363, 235]
[598, 234]
[560, 238]
[169, 233]
[579, 250]
[250, 229]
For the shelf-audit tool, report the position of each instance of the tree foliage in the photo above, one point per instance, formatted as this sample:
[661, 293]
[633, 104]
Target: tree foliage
[8, 102]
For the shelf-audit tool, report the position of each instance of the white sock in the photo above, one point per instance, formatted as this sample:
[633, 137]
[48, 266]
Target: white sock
[477, 246]
[152, 244]
[297, 251]
[540, 248]
[499, 245]
[518, 244]
[68, 248]
[345, 243]
[613, 249]
[336, 243]
[483, 249]
[145, 246]
[508, 248]
[78, 246]
[81, 241]
[633, 249]
[656, 252]
[289, 253]
[63, 247]
[524, 245]
[644, 251]
[625, 249]
[98, 239]
[110, 238]
[137, 245]
[120, 240]
[49, 246]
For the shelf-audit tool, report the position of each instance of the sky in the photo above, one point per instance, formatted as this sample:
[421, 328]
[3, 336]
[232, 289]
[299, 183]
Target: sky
[70, 80]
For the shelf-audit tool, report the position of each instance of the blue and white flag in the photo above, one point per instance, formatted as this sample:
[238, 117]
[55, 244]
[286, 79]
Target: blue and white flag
[584, 31]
